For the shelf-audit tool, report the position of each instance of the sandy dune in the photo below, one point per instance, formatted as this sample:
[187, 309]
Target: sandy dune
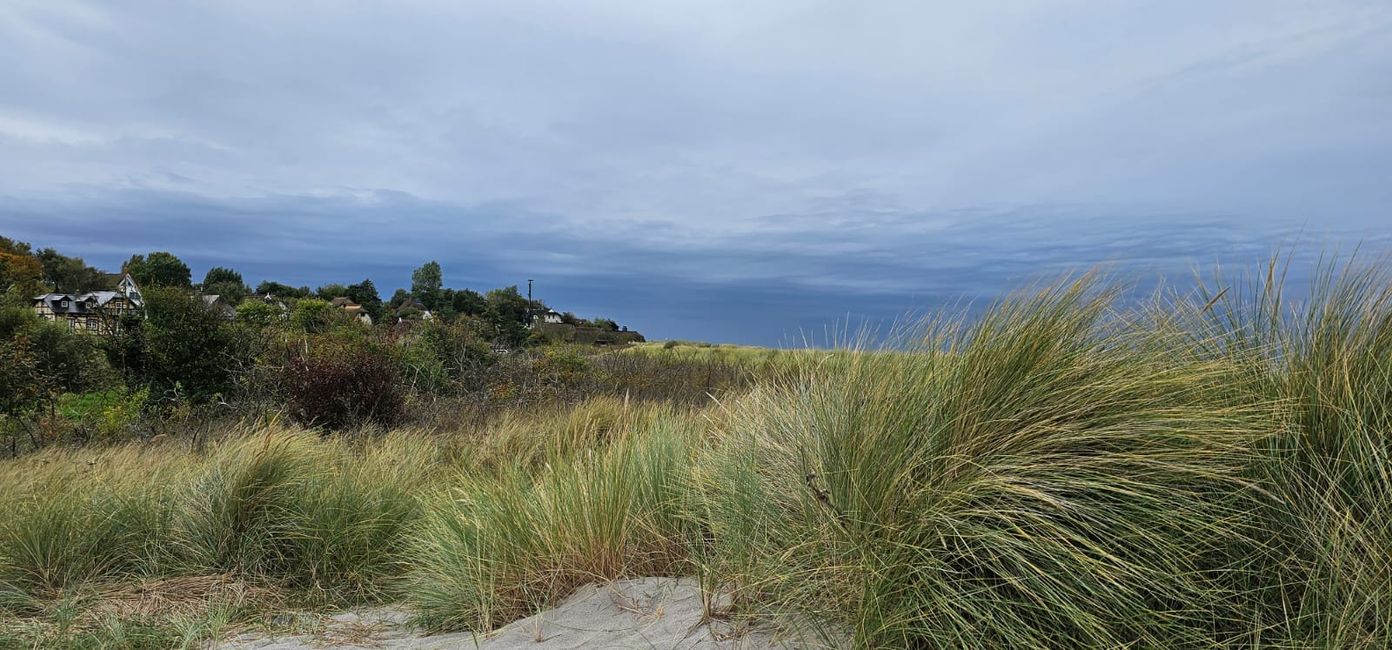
[663, 613]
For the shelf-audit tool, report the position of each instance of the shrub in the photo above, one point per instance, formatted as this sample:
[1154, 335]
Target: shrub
[442, 356]
[190, 347]
[313, 316]
[337, 384]
[257, 313]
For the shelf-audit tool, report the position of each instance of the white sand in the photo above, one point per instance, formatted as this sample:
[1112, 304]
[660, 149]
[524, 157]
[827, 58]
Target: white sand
[664, 613]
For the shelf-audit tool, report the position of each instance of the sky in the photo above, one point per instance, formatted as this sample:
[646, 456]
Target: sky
[723, 171]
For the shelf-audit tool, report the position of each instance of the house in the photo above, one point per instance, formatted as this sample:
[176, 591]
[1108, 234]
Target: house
[354, 309]
[217, 304]
[413, 309]
[96, 311]
[549, 316]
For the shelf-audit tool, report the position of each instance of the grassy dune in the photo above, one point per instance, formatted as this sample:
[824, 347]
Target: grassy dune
[1207, 470]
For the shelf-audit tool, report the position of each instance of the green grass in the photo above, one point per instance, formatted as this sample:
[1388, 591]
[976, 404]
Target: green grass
[1326, 576]
[1208, 470]
[1042, 476]
[496, 548]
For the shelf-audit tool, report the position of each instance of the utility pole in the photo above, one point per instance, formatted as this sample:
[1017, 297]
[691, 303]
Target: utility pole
[529, 302]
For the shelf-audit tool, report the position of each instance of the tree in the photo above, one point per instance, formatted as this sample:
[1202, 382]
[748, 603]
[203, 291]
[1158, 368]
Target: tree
[189, 345]
[507, 313]
[331, 291]
[158, 269]
[468, 302]
[365, 293]
[425, 284]
[606, 324]
[20, 272]
[278, 290]
[226, 283]
[221, 274]
[70, 274]
[43, 360]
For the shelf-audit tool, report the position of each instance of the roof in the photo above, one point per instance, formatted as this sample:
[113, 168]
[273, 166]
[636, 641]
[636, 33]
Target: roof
[343, 301]
[76, 304]
[103, 297]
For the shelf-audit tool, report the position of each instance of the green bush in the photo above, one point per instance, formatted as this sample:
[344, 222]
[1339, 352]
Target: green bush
[313, 316]
[258, 314]
[191, 348]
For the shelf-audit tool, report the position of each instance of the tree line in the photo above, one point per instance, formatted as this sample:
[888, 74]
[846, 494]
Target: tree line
[285, 348]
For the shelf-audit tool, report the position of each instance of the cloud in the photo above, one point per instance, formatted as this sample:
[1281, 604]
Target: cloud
[826, 158]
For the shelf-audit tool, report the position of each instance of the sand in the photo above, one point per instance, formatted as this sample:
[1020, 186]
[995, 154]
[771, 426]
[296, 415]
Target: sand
[664, 613]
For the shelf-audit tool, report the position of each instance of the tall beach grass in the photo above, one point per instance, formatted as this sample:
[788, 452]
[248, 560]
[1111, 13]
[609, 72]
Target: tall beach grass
[1064, 470]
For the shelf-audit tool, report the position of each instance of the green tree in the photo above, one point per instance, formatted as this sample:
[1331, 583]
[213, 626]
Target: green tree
[284, 291]
[70, 274]
[43, 360]
[606, 324]
[365, 293]
[507, 313]
[425, 285]
[19, 386]
[331, 291]
[468, 302]
[221, 274]
[189, 345]
[124, 344]
[20, 273]
[158, 269]
[227, 283]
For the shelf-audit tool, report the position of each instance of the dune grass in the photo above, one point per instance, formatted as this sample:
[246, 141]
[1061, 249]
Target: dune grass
[1207, 470]
[1044, 476]
[1326, 578]
[496, 548]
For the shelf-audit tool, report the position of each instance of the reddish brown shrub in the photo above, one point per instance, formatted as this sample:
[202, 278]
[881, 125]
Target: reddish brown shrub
[339, 385]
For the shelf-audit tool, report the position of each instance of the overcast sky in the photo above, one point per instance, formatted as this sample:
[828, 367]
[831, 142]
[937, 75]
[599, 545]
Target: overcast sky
[730, 171]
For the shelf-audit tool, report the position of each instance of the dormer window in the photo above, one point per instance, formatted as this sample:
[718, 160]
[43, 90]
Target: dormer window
[63, 303]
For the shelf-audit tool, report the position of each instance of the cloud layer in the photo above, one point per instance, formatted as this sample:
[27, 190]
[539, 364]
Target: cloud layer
[705, 170]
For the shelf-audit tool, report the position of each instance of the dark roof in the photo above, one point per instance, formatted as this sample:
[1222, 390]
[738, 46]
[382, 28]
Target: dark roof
[82, 303]
[75, 304]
